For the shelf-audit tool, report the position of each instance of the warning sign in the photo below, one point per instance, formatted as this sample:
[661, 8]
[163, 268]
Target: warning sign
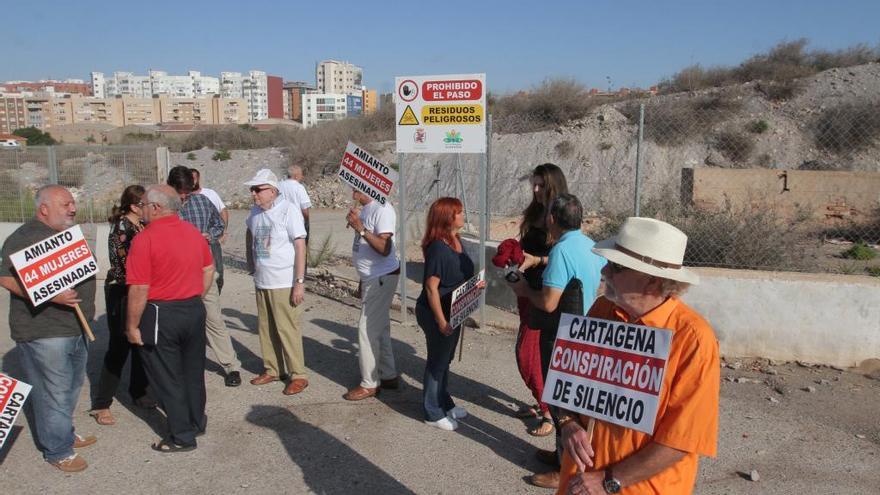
[54, 264]
[13, 393]
[452, 114]
[608, 370]
[364, 173]
[450, 109]
[408, 117]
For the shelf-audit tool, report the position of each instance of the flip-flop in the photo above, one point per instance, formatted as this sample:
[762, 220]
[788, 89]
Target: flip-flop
[103, 417]
[166, 446]
[544, 428]
[529, 412]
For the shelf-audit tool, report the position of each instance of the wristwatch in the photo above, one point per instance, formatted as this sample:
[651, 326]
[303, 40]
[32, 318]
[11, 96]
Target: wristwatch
[363, 233]
[300, 280]
[611, 485]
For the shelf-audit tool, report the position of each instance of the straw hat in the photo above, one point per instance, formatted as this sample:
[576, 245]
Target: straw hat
[264, 176]
[649, 246]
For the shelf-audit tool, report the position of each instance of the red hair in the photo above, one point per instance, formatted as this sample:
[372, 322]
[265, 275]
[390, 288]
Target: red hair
[440, 220]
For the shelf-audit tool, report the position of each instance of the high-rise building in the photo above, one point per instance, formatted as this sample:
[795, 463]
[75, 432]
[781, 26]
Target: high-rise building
[99, 85]
[335, 77]
[263, 94]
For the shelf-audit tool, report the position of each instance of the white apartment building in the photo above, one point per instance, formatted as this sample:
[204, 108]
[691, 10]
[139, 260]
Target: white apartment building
[192, 85]
[335, 77]
[321, 107]
[99, 85]
[230, 84]
[255, 91]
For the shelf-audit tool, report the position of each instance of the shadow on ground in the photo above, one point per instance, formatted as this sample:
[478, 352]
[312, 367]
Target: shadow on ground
[320, 456]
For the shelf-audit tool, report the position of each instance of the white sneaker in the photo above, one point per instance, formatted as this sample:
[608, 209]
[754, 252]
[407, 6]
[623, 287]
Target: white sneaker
[447, 423]
[457, 412]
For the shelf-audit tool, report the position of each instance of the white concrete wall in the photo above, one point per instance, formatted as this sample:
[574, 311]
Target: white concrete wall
[818, 318]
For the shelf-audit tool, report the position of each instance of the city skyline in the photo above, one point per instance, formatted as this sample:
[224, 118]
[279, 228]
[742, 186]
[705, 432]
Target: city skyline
[517, 45]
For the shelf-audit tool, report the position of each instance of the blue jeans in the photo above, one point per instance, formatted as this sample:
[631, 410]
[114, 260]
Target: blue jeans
[55, 367]
[441, 349]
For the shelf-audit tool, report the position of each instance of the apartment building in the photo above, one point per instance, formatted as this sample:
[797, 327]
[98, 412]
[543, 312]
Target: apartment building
[13, 113]
[292, 92]
[370, 100]
[320, 107]
[74, 86]
[335, 77]
[156, 82]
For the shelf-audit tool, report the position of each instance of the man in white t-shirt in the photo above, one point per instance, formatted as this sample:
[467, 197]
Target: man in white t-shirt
[378, 267]
[276, 256]
[292, 190]
[215, 200]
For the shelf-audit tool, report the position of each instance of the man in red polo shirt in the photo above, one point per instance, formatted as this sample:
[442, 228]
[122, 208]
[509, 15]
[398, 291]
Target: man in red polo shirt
[169, 269]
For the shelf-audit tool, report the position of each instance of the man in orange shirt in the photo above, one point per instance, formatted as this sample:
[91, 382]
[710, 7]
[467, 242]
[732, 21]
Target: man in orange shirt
[643, 279]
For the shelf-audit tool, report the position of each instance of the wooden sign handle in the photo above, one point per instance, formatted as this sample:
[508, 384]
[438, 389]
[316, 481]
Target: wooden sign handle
[85, 324]
[461, 342]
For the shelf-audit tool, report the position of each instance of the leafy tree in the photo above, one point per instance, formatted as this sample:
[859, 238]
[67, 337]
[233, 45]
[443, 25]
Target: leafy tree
[35, 137]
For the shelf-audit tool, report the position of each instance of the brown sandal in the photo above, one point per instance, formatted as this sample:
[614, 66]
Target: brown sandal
[544, 428]
[103, 417]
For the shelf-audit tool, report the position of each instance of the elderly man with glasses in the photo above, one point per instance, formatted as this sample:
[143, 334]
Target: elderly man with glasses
[276, 255]
[644, 279]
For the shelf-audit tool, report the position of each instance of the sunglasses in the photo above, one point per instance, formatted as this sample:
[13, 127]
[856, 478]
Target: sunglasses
[257, 189]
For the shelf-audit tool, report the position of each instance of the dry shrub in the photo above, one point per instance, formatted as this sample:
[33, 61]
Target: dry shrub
[734, 145]
[779, 90]
[777, 69]
[564, 149]
[849, 127]
[673, 122]
[726, 237]
[554, 102]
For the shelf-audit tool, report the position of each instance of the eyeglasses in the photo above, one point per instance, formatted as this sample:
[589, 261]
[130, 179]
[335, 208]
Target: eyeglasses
[257, 189]
[139, 204]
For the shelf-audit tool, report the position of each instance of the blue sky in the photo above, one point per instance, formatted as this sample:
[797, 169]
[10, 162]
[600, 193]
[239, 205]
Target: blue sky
[516, 43]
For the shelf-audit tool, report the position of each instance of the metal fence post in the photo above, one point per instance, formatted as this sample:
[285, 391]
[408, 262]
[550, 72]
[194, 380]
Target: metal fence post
[485, 225]
[52, 163]
[401, 178]
[639, 159]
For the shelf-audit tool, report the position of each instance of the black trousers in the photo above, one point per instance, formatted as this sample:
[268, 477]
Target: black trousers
[117, 353]
[176, 367]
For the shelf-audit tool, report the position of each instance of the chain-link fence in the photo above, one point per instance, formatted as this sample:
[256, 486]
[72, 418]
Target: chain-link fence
[96, 175]
[754, 183]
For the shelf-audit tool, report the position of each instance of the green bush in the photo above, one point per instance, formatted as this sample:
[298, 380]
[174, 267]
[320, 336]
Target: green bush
[758, 126]
[221, 156]
[873, 271]
[35, 137]
[859, 251]
[323, 253]
[190, 156]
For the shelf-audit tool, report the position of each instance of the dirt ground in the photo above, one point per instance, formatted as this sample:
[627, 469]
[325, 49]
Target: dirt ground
[805, 429]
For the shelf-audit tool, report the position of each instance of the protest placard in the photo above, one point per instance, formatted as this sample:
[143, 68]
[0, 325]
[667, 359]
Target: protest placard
[608, 370]
[465, 300]
[13, 393]
[55, 264]
[365, 173]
